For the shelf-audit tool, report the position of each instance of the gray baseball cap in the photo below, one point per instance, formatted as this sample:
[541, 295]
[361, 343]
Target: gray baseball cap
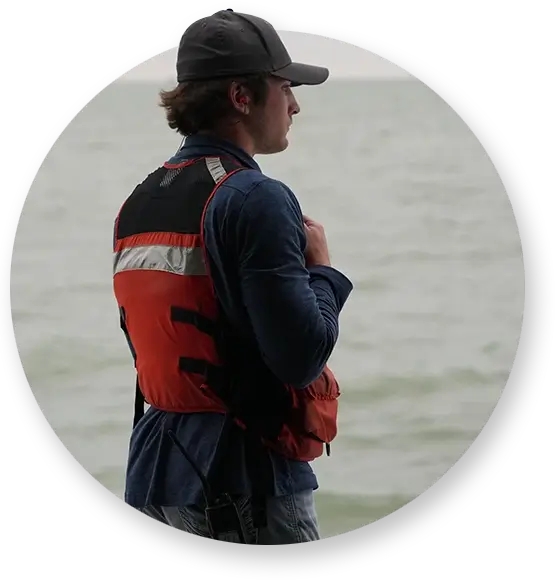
[229, 43]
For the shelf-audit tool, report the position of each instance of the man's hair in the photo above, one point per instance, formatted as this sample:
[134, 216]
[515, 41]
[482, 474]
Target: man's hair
[195, 106]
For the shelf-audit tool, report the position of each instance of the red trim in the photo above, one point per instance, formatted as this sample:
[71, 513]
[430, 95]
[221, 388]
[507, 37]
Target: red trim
[154, 238]
[202, 228]
[183, 164]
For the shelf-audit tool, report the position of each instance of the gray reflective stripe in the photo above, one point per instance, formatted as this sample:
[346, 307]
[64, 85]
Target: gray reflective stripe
[174, 259]
[216, 169]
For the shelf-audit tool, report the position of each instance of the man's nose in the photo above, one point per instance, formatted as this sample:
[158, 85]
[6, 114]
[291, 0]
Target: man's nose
[294, 107]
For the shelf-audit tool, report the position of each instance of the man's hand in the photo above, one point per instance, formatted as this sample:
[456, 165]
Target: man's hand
[316, 252]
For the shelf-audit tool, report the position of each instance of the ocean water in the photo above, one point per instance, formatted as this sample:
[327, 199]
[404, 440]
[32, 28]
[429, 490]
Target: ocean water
[415, 215]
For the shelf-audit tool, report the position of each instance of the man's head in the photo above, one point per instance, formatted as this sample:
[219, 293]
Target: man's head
[234, 79]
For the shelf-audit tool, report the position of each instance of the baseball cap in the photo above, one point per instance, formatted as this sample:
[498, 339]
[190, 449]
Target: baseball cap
[230, 43]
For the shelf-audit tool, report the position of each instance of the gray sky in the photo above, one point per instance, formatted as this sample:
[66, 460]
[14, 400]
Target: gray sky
[344, 60]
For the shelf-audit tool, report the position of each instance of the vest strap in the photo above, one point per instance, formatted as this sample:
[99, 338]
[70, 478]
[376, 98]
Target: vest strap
[204, 324]
[139, 405]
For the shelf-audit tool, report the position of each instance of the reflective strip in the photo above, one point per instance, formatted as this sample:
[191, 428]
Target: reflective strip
[173, 259]
[216, 169]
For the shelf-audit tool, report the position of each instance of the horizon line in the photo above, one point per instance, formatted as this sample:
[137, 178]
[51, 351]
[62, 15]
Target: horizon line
[130, 80]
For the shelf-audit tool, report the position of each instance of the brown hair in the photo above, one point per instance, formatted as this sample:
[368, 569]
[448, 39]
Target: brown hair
[195, 106]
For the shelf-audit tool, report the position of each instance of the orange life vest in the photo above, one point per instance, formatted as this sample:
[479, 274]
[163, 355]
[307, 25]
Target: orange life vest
[186, 357]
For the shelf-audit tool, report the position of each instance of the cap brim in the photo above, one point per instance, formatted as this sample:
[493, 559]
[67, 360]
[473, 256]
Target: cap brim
[300, 74]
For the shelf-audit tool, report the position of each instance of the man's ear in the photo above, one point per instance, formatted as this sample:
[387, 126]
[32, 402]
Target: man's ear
[239, 97]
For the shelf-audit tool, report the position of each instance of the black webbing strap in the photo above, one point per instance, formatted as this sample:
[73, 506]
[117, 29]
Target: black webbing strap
[216, 471]
[139, 405]
[258, 465]
[261, 475]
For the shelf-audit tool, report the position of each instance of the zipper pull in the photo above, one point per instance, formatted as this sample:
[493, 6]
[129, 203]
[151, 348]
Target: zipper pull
[327, 449]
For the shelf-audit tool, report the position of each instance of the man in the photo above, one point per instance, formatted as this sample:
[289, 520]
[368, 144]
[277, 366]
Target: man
[229, 302]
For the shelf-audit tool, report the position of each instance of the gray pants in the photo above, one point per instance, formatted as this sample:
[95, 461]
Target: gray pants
[290, 519]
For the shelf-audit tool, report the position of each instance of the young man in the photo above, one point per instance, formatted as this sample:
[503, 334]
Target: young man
[229, 302]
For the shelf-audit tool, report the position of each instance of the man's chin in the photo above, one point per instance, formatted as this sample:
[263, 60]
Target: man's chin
[283, 145]
[276, 147]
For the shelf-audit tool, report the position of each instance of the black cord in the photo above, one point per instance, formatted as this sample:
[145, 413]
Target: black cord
[207, 492]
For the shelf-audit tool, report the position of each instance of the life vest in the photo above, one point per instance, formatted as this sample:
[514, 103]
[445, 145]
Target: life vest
[187, 357]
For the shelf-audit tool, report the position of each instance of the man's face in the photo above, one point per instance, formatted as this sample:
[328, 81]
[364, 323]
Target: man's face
[271, 122]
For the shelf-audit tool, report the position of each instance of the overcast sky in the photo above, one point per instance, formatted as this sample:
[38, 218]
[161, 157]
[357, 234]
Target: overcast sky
[343, 60]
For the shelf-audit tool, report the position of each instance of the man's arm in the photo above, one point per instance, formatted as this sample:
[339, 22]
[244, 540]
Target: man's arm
[293, 310]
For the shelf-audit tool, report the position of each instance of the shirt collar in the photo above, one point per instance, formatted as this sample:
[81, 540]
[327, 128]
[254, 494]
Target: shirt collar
[201, 145]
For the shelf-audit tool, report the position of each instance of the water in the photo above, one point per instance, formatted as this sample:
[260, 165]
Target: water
[415, 215]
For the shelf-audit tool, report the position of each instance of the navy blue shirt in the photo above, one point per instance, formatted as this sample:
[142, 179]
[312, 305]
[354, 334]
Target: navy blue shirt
[255, 243]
